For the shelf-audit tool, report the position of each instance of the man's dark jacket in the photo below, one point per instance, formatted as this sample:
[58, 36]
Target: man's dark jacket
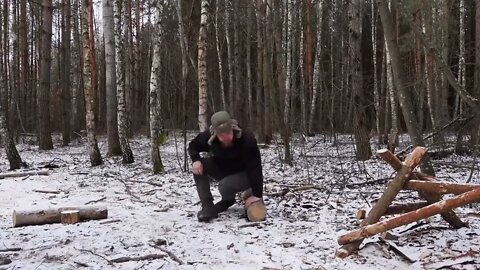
[243, 155]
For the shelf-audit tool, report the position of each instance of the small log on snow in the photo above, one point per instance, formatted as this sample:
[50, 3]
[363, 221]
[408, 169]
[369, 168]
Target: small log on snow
[53, 215]
[439, 187]
[427, 211]
[21, 174]
[378, 210]
[70, 216]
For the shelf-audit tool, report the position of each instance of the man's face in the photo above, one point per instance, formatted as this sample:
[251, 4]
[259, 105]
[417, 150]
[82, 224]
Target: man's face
[225, 138]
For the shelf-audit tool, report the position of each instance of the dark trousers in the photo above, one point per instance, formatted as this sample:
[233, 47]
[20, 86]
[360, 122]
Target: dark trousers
[229, 184]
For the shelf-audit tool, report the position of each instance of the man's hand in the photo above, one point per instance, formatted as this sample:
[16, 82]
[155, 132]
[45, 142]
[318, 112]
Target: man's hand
[197, 168]
[251, 200]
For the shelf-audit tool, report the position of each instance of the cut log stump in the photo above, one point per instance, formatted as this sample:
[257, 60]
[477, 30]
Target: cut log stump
[54, 215]
[70, 216]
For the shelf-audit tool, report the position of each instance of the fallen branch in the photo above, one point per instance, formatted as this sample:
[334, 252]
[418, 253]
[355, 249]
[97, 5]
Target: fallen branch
[20, 174]
[287, 190]
[93, 253]
[95, 201]
[10, 249]
[139, 258]
[47, 191]
[171, 255]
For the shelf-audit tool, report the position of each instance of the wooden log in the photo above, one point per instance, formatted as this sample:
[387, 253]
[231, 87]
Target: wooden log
[448, 216]
[422, 213]
[53, 215]
[390, 158]
[404, 208]
[70, 216]
[439, 187]
[378, 210]
[21, 174]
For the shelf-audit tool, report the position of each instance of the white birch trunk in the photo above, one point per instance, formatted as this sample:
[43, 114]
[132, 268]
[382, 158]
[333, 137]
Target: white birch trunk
[219, 55]
[155, 104]
[127, 155]
[202, 68]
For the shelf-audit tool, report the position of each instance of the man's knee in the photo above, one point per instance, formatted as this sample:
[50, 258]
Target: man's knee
[226, 190]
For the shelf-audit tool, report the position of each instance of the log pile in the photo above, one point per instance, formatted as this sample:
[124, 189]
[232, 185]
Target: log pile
[427, 187]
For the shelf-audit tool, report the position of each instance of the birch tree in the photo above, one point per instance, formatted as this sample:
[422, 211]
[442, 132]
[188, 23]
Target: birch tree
[87, 41]
[127, 155]
[155, 101]
[184, 51]
[202, 68]
[219, 55]
[109, 37]
[43, 97]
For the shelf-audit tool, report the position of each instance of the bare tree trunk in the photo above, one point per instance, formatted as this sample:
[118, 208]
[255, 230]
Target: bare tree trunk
[475, 132]
[355, 14]
[183, 46]
[405, 103]
[260, 15]
[230, 59]
[5, 135]
[77, 84]
[65, 72]
[127, 155]
[88, 37]
[267, 72]
[43, 98]
[24, 66]
[219, 55]
[111, 80]
[317, 69]
[202, 68]
[285, 66]
[248, 66]
[155, 104]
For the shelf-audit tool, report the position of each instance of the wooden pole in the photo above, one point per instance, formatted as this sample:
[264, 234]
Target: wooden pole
[427, 211]
[439, 187]
[390, 158]
[21, 174]
[378, 210]
[53, 215]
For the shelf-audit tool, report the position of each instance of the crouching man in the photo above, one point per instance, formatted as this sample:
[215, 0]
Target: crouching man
[234, 160]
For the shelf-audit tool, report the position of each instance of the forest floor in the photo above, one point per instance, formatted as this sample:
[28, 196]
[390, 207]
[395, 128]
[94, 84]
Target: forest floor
[156, 214]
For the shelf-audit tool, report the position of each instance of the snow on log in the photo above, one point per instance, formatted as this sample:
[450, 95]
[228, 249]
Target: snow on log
[427, 211]
[439, 187]
[54, 215]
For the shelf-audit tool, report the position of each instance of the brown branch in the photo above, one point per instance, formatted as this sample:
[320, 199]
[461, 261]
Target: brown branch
[95, 201]
[295, 189]
[139, 258]
[439, 187]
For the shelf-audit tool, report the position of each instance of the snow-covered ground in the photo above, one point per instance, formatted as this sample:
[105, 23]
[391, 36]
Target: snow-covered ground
[153, 214]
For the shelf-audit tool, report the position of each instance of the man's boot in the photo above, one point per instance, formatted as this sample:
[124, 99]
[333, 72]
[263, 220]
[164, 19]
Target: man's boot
[207, 213]
[223, 205]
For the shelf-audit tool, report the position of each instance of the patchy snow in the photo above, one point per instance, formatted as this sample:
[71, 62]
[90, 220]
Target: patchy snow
[153, 214]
